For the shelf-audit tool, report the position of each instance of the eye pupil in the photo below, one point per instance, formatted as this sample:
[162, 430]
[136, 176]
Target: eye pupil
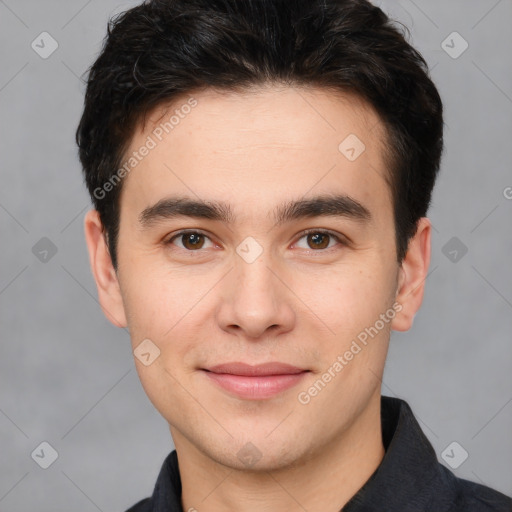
[319, 236]
[193, 239]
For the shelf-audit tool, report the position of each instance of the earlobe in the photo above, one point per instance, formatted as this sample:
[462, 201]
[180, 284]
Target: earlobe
[109, 293]
[412, 275]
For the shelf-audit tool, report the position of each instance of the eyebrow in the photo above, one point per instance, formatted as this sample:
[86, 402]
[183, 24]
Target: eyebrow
[325, 205]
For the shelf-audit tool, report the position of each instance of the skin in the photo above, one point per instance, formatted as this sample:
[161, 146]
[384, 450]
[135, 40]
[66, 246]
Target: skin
[295, 303]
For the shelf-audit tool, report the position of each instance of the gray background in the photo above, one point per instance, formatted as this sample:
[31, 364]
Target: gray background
[67, 375]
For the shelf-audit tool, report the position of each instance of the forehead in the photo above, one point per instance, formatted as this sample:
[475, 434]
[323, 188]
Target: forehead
[269, 143]
[265, 109]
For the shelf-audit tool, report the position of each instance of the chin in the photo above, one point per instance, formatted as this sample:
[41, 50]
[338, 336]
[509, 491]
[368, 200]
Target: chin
[257, 454]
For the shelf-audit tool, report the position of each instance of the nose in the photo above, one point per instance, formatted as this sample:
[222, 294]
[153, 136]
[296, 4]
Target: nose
[255, 302]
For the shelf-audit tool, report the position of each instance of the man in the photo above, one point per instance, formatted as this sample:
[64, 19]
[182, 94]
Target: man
[261, 172]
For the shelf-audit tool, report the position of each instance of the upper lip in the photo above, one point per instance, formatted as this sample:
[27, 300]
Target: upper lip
[238, 368]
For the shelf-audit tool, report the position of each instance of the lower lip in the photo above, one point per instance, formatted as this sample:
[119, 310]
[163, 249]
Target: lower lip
[255, 388]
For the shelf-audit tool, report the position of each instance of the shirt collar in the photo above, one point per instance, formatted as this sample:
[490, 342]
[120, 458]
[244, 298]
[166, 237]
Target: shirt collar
[409, 476]
[405, 479]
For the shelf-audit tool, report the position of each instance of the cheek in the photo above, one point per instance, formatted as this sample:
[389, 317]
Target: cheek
[348, 298]
[171, 312]
[348, 308]
[160, 385]
[153, 299]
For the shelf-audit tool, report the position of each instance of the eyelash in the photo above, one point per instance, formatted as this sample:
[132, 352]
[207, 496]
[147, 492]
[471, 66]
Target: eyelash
[338, 239]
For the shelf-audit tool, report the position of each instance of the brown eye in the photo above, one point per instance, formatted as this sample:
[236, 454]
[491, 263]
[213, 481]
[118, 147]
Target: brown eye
[318, 240]
[190, 240]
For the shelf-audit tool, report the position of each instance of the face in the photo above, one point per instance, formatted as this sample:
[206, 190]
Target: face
[258, 279]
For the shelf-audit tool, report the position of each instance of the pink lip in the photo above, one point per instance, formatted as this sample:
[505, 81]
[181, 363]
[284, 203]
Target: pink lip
[255, 382]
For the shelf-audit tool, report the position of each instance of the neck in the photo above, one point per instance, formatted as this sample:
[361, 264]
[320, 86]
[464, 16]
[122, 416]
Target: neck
[324, 481]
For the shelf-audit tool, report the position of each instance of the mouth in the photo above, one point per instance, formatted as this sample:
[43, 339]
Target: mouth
[255, 382]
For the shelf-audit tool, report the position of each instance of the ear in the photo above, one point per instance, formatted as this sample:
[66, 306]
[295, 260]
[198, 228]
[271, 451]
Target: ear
[109, 292]
[412, 275]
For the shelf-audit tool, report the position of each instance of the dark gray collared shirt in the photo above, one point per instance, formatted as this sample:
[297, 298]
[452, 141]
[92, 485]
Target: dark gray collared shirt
[408, 479]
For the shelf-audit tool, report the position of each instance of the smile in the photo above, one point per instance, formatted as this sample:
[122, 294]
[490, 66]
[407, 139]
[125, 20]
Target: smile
[255, 382]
